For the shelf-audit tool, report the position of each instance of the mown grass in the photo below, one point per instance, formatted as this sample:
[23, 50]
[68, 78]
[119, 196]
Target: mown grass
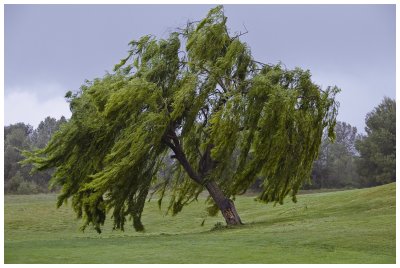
[355, 226]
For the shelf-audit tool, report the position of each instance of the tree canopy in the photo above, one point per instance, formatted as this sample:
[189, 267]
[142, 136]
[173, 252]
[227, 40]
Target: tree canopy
[200, 98]
[18, 137]
[335, 166]
[377, 161]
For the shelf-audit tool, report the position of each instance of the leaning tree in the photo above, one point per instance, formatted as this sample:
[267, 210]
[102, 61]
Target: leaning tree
[201, 99]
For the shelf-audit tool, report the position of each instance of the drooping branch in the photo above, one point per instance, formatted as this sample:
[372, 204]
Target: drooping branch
[219, 81]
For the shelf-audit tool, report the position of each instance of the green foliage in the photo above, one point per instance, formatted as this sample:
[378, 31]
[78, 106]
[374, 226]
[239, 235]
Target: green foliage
[205, 103]
[14, 183]
[43, 133]
[19, 185]
[335, 166]
[18, 137]
[27, 187]
[377, 161]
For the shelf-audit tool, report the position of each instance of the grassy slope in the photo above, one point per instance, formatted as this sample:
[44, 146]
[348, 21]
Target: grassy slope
[356, 226]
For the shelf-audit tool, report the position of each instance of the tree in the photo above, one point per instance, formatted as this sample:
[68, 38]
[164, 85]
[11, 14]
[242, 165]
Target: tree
[38, 139]
[16, 138]
[377, 161]
[42, 134]
[20, 137]
[199, 104]
[335, 166]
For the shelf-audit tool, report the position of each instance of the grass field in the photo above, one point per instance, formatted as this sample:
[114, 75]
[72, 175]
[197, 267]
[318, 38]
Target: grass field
[355, 226]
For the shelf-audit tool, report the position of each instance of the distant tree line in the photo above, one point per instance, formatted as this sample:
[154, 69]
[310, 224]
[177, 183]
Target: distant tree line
[19, 137]
[359, 160]
[353, 160]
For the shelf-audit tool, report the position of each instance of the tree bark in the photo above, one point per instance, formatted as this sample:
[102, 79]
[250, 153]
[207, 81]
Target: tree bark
[225, 205]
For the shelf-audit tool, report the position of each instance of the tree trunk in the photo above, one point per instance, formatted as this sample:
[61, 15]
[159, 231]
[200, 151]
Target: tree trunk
[226, 205]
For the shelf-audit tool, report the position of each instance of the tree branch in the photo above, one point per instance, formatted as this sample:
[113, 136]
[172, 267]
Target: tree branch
[205, 115]
[206, 163]
[218, 80]
[168, 143]
[180, 155]
[239, 34]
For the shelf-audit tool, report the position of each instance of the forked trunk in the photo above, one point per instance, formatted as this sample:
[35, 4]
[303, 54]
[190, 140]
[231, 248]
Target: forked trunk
[225, 205]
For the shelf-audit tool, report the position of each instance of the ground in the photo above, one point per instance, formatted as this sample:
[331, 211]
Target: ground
[353, 226]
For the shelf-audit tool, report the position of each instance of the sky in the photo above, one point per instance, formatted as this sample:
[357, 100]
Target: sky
[51, 49]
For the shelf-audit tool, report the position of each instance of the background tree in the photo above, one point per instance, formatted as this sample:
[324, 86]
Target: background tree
[199, 104]
[18, 137]
[377, 161]
[39, 138]
[335, 166]
[42, 134]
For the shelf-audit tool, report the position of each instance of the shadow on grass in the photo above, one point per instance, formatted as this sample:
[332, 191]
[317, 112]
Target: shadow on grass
[221, 227]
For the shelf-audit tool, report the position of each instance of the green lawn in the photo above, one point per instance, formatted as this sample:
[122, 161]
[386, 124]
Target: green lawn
[355, 226]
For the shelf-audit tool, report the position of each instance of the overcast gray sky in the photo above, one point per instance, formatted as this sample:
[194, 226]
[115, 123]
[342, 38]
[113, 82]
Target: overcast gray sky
[50, 49]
